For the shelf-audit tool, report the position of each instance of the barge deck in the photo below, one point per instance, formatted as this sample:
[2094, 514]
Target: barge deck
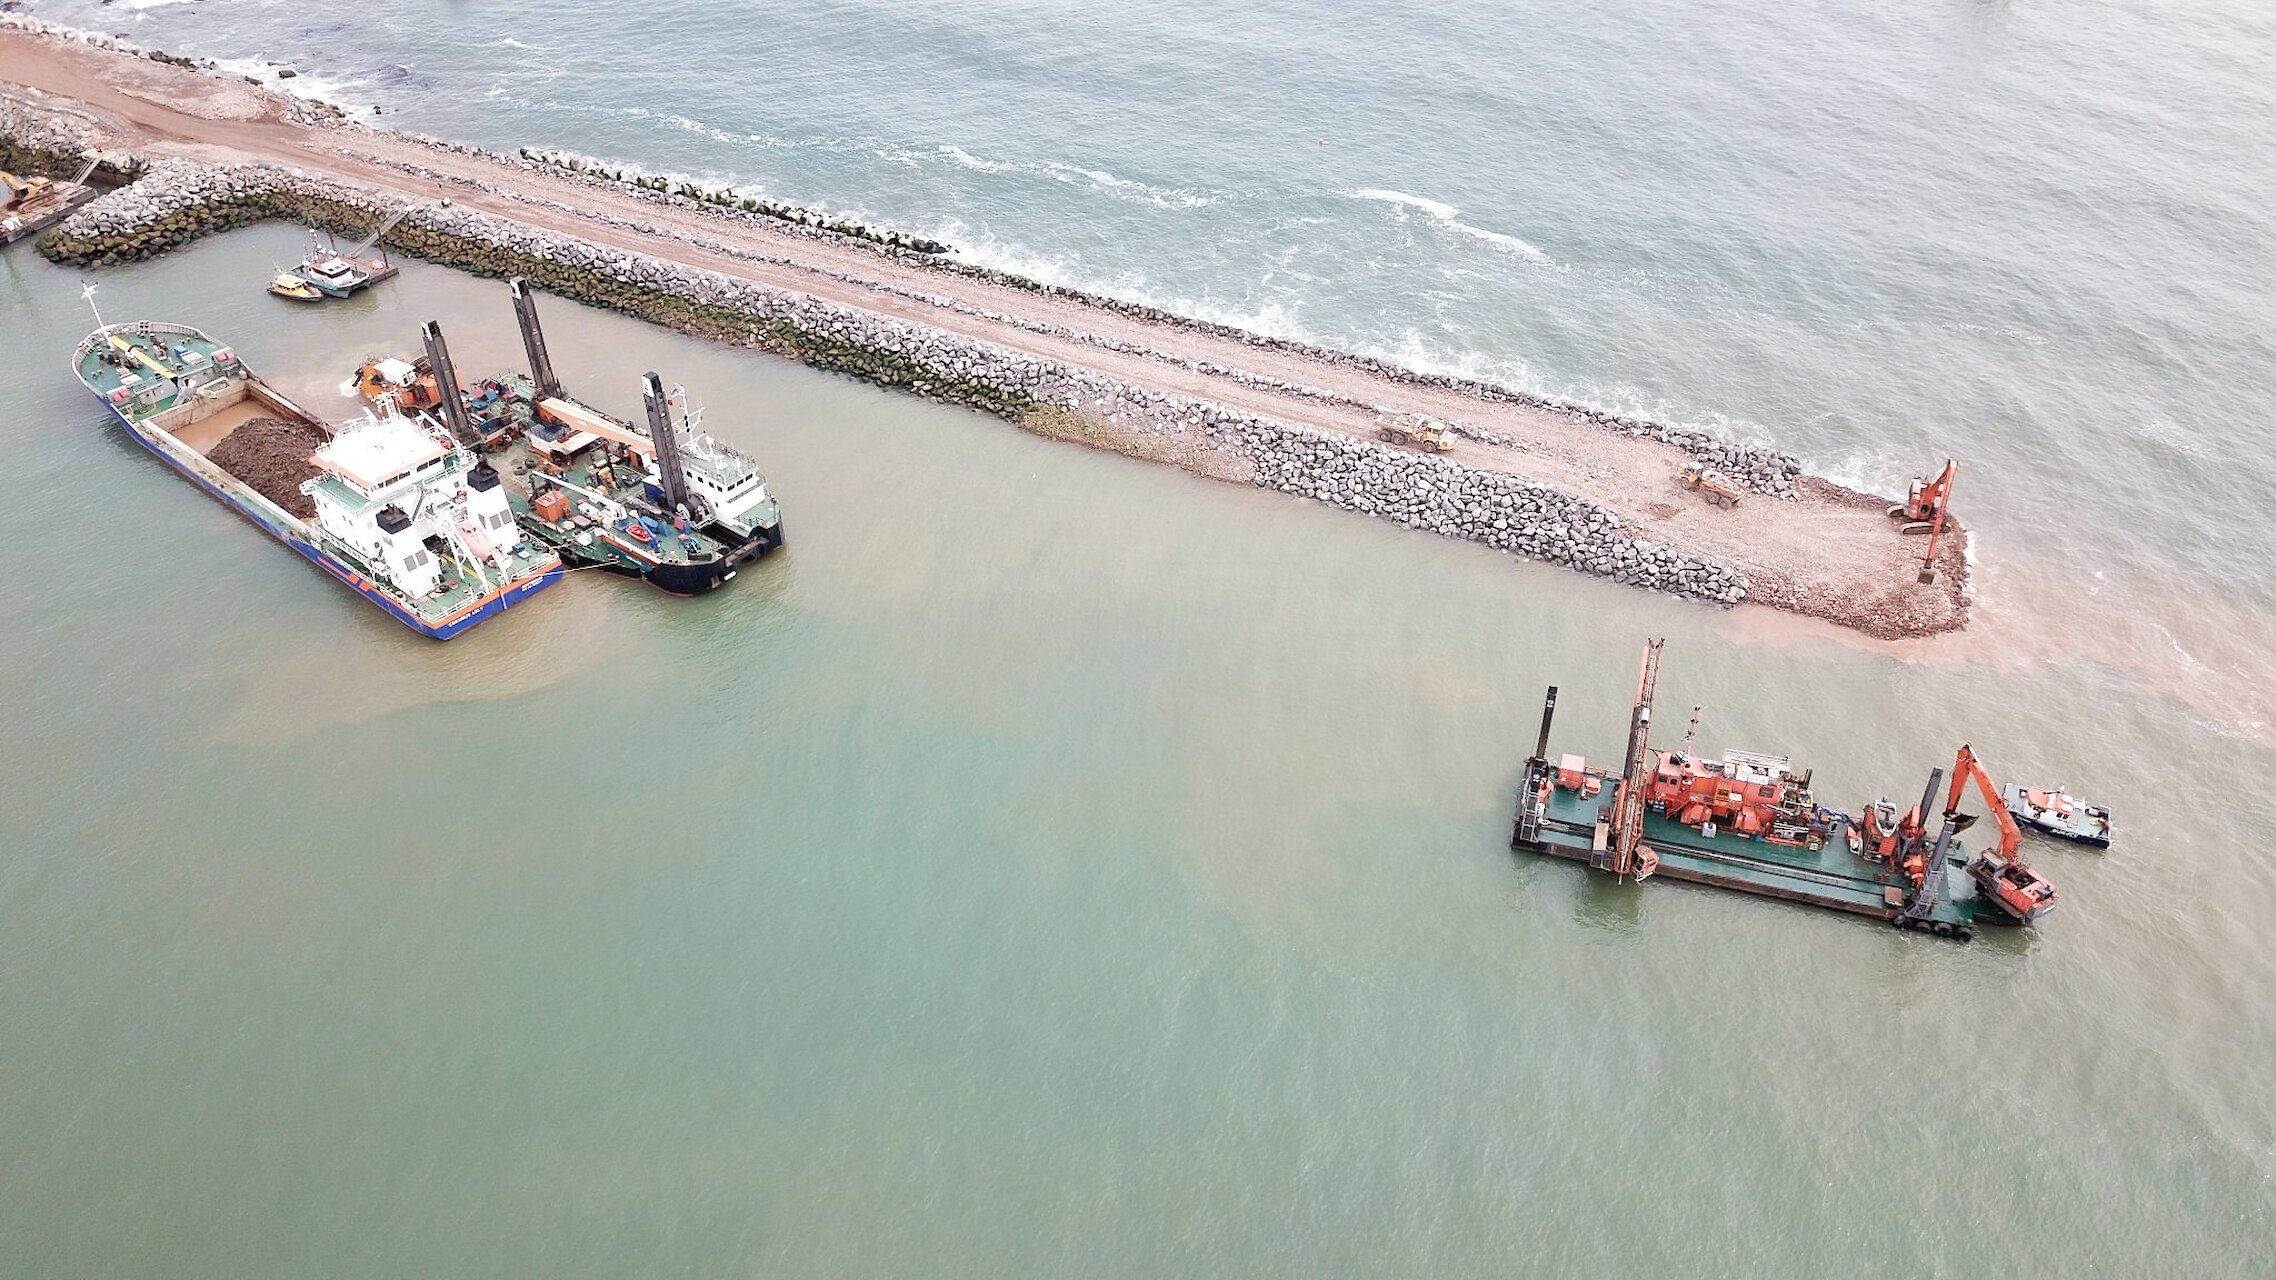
[1751, 823]
[1830, 876]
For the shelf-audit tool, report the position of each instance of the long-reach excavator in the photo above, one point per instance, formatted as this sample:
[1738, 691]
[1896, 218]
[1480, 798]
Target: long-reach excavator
[1924, 510]
[1924, 502]
[2001, 874]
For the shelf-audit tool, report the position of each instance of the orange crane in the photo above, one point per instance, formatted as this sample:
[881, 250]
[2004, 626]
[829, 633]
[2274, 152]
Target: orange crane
[2003, 876]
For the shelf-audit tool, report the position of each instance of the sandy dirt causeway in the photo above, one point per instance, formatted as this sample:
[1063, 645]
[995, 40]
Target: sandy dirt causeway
[1830, 554]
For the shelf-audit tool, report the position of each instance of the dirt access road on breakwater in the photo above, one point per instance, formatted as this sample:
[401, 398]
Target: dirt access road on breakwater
[1828, 553]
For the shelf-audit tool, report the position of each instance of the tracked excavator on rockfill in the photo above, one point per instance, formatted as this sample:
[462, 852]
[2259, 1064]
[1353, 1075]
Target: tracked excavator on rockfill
[1925, 510]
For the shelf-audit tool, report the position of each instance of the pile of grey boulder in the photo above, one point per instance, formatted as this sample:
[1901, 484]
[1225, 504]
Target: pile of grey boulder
[1420, 491]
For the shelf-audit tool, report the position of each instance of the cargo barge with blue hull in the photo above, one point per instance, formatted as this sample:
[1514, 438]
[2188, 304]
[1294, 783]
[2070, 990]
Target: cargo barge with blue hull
[399, 515]
[1748, 822]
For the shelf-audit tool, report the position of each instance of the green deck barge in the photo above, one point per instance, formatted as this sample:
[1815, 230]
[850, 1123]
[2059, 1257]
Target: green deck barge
[1568, 826]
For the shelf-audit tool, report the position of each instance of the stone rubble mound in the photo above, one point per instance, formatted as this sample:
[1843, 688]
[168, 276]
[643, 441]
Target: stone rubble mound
[178, 200]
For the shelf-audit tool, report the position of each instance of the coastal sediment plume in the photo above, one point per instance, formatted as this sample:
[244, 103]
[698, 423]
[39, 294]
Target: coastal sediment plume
[1568, 485]
[271, 455]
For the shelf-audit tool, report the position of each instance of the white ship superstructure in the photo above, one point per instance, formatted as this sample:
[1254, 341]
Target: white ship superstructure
[724, 486]
[392, 487]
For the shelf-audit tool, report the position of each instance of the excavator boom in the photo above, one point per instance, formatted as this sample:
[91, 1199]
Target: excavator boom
[1965, 769]
[2005, 878]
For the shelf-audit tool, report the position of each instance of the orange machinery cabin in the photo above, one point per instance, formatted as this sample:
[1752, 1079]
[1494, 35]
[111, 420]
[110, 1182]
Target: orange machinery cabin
[1573, 775]
[1748, 794]
[551, 505]
[405, 383]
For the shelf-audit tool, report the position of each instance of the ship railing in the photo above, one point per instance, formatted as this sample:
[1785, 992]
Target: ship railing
[1528, 830]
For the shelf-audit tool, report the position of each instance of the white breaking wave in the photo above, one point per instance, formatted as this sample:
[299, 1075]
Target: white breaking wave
[1162, 197]
[303, 84]
[2159, 431]
[1075, 175]
[1447, 216]
[685, 124]
[965, 159]
[1434, 208]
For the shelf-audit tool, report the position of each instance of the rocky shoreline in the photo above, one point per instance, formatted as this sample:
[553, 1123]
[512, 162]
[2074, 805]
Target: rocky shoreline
[1760, 468]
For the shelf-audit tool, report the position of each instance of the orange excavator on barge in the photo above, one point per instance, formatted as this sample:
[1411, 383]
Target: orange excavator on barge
[1750, 822]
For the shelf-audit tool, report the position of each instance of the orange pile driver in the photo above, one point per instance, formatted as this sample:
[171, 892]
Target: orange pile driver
[1899, 842]
[1625, 853]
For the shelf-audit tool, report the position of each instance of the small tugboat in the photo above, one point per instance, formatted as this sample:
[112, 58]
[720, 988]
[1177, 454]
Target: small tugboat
[288, 285]
[402, 515]
[2055, 812]
[1748, 822]
[336, 275]
[332, 272]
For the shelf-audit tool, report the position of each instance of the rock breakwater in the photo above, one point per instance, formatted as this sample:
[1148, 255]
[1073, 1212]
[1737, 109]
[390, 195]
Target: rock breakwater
[177, 200]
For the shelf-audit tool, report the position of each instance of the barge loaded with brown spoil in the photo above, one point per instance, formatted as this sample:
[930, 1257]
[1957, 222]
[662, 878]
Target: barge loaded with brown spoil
[401, 515]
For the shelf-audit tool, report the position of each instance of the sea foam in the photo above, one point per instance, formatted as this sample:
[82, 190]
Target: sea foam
[1448, 216]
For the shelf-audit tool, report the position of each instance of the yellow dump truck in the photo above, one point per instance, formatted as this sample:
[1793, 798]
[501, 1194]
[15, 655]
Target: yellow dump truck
[1712, 485]
[1427, 434]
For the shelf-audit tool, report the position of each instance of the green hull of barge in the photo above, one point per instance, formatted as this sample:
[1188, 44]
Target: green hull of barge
[1830, 877]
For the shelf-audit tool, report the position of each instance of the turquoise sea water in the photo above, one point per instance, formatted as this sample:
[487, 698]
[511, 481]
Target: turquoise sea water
[1059, 865]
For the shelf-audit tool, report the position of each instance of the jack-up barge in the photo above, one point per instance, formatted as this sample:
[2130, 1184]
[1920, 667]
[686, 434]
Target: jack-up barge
[1750, 823]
